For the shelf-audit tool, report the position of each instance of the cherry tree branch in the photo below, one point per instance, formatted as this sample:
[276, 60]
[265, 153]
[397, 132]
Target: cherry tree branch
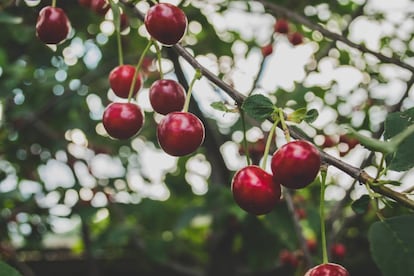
[284, 12]
[356, 173]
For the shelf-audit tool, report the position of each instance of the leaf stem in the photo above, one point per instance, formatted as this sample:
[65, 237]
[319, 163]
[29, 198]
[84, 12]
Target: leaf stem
[196, 77]
[324, 170]
[268, 142]
[137, 67]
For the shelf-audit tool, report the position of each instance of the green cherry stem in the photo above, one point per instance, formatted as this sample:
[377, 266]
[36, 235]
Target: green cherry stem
[268, 142]
[119, 43]
[158, 49]
[196, 77]
[53, 3]
[324, 170]
[284, 126]
[246, 150]
[141, 59]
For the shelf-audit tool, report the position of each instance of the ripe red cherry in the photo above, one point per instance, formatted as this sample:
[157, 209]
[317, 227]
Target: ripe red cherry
[120, 80]
[254, 190]
[123, 120]
[295, 38]
[281, 26]
[180, 133]
[166, 96]
[338, 251]
[52, 26]
[100, 6]
[267, 50]
[329, 269]
[166, 23]
[296, 164]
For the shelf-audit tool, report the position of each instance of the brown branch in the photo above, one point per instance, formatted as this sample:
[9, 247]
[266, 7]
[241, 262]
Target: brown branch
[356, 173]
[284, 12]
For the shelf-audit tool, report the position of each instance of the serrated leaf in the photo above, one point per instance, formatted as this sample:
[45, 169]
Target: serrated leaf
[5, 269]
[360, 206]
[392, 245]
[258, 107]
[220, 106]
[395, 123]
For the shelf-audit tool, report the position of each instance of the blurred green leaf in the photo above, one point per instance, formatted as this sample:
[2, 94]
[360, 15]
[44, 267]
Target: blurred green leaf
[7, 270]
[360, 206]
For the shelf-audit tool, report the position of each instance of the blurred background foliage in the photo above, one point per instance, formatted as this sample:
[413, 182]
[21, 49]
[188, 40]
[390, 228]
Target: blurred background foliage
[72, 200]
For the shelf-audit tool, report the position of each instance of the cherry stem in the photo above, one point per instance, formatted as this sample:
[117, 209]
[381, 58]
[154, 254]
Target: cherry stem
[118, 39]
[53, 3]
[268, 142]
[246, 150]
[284, 126]
[324, 170]
[157, 48]
[141, 59]
[196, 77]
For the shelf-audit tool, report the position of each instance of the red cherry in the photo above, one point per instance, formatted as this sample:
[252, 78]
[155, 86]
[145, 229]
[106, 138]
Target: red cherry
[312, 245]
[338, 251]
[267, 50]
[329, 269]
[295, 38]
[85, 3]
[254, 190]
[52, 26]
[329, 141]
[120, 80]
[180, 133]
[123, 120]
[350, 141]
[166, 96]
[296, 164]
[166, 23]
[124, 21]
[100, 6]
[301, 213]
[281, 26]
[288, 258]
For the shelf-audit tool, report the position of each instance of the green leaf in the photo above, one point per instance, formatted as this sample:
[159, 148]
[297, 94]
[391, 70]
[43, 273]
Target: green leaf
[9, 19]
[311, 115]
[360, 206]
[5, 269]
[392, 245]
[220, 106]
[395, 123]
[258, 107]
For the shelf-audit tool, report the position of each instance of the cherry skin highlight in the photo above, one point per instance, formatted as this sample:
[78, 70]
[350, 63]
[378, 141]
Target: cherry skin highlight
[254, 190]
[123, 120]
[52, 26]
[296, 164]
[120, 80]
[329, 269]
[166, 96]
[166, 23]
[180, 133]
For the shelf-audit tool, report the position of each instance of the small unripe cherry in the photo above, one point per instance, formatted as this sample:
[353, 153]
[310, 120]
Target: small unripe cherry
[281, 26]
[295, 38]
[267, 50]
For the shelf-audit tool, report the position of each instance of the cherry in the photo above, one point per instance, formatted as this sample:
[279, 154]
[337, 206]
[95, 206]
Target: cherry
[166, 96]
[52, 26]
[296, 164]
[120, 80]
[301, 213]
[288, 258]
[338, 251]
[124, 21]
[312, 245]
[100, 6]
[85, 3]
[123, 120]
[166, 23]
[254, 190]
[180, 133]
[267, 50]
[281, 26]
[295, 38]
[329, 269]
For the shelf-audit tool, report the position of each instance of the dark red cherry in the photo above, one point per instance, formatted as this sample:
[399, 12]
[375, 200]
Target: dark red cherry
[281, 26]
[166, 23]
[100, 6]
[254, 190]
[166, 96]
[180, 133]
[338, 251]
[123, 120]
[296, 164]
[52, 26]
[329, 269]
[120, 80]
[85, 3]
[267, 50]
[295, 38]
